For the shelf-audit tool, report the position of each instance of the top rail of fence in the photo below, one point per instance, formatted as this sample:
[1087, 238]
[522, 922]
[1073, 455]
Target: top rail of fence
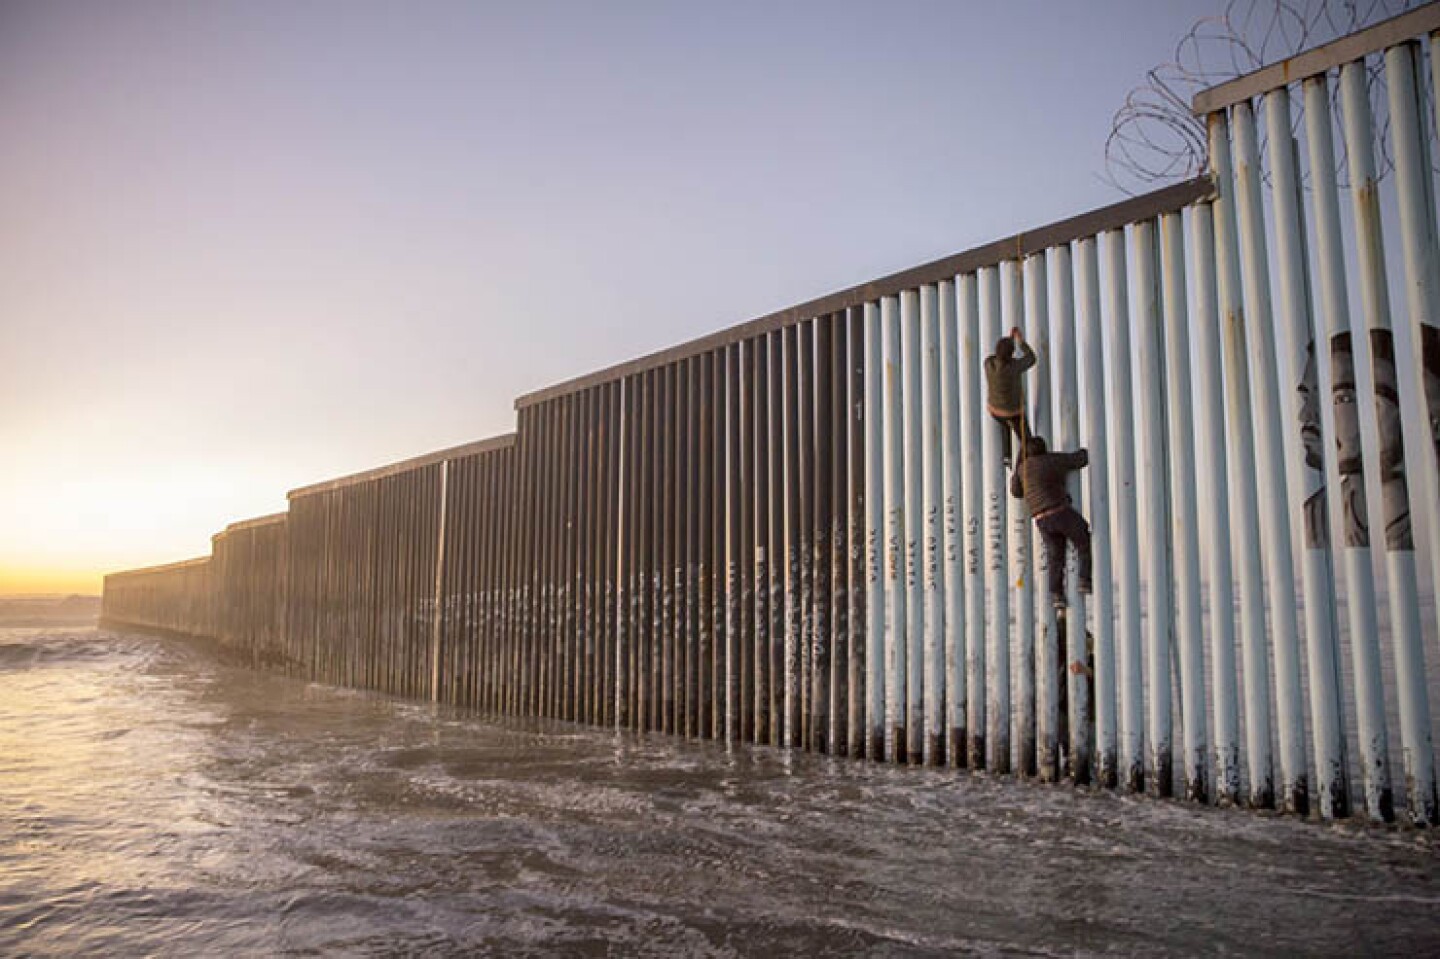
[404, 466]
[252, 523]
[162, 568]
[1387, 33]
[1117, 215]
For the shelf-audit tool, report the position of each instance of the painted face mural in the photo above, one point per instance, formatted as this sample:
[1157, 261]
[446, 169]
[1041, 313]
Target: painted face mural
[1310, 433]
[1387, 411]
[1348, 448]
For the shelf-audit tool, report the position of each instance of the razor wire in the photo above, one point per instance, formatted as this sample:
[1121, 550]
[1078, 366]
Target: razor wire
[1155, 138]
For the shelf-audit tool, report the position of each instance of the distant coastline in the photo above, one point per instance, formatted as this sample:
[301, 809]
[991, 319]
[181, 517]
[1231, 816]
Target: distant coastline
[54, 610]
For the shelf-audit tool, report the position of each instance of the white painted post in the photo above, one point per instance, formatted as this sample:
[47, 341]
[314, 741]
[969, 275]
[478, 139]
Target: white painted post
[1097, 480]
[1334, 323]
[914, 493]
[1275, 518]
[1066, 404]
[874, 534]
[1021, 567]
[932, 573]
[1388, 501]
[1415, 189]
[1184, 509]
[975, 429]
[1211, 432]
[1242, 472]
[1401, 468]
[895, 619]
[954, 572]
[1046, 656]
[1155, 511]
[997, 636]
[1125, 518]
[1295, 336]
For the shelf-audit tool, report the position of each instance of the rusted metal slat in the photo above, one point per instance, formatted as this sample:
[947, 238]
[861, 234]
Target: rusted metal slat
[760, 537]
[645, 475]
[775, 531]
[590, 519]
[701, 435]
[666, 552]
[744, 498]
[680, 558]
[731, 660]
[705, 540]
[839, 559]
[821, 646]
[627, 630]
[613, 544]
[794, 634]
[566, 664]
[805, 481]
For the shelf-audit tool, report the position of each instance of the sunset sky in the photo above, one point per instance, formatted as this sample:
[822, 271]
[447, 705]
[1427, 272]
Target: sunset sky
[249, 246]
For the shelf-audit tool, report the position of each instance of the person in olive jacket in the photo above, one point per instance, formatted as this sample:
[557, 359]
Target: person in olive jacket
[1005, 395]
[1039, 479]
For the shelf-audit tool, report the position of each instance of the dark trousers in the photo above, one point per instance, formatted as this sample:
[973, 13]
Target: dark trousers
[1014, 422]
[1065, 525]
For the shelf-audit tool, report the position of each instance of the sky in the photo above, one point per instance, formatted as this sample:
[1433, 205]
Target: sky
[249, 246]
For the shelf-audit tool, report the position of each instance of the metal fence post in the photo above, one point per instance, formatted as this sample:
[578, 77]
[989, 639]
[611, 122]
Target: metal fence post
[857, 528]
[1242, 472]
[1212, 486]
[974, 429]
[1184, 510]
[1274, 523]
[1045, 653]
[1022, 568]
[1295, 337]
[997, 587]
[1092, 388]
[954, 572]
[1415, 189]
[875, 514]
[1150, 330]
[895, 504]
[1125, 520]
[1392, 494]
[1072, 655]
[914, 527]
[932, 572]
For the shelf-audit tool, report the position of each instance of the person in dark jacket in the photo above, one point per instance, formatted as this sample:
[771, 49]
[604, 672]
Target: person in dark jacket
[1039, 479]
[1005, 396]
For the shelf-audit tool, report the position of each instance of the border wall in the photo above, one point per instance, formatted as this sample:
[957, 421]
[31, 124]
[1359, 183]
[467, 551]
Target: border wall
[797, 532]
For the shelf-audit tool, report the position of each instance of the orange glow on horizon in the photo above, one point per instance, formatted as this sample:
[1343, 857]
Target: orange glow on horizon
[64, 582]
[65, 525]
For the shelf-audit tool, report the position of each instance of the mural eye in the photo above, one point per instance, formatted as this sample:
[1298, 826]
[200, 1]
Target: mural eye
[1344, 397]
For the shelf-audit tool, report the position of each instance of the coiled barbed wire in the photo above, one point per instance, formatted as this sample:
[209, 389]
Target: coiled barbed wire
[1155, 139]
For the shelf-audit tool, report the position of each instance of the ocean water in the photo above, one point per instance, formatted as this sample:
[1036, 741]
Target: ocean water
[156, 801]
